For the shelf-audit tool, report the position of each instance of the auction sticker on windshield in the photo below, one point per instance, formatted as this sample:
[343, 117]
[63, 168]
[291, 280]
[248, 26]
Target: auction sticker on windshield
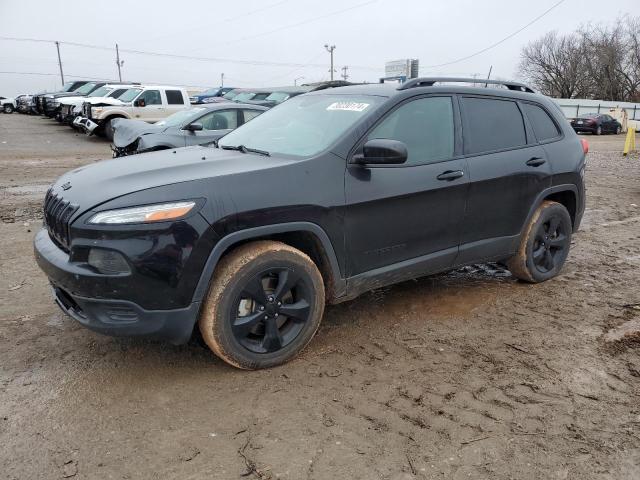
[348, 106]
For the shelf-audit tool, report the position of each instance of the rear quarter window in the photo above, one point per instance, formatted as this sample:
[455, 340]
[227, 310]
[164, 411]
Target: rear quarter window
[174, 97]
[543, 125]
[492, 124]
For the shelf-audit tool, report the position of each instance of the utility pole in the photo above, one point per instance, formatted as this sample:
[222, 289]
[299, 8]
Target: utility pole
[330, 49]
[119, 63]
[488, 76]
[60, 62]
[221, 80]
[345, 75]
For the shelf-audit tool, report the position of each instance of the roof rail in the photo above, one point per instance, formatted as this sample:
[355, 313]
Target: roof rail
[430, 81]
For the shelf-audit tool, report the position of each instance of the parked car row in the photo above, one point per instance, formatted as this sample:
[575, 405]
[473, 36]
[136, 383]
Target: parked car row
[155, 117]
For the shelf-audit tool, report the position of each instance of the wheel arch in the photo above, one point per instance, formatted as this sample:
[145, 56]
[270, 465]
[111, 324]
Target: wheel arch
[307, 237]
[566, 195]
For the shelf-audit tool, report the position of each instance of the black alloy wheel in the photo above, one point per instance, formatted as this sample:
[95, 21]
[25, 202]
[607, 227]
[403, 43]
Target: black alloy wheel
[544, 244]
[549, 244]
[264, 305]
[271, 311]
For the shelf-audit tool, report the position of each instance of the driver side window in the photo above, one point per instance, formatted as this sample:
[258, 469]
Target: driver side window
[151, 97]
[425, 126]
[220, 120]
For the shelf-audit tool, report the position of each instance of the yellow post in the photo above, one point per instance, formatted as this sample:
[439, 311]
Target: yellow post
[630, 142]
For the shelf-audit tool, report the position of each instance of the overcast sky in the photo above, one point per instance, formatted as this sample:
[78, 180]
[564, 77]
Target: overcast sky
[367, 33]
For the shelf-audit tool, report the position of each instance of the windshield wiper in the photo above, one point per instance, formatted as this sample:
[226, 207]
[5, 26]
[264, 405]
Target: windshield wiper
[243, 149]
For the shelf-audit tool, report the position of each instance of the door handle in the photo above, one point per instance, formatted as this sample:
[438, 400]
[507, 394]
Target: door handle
[535, 161]
[450, 175]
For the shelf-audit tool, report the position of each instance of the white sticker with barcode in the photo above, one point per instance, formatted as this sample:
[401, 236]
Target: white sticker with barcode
[348, 106]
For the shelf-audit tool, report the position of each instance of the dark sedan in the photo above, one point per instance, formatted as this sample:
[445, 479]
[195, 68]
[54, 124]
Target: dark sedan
[596, 123]
[196, 126]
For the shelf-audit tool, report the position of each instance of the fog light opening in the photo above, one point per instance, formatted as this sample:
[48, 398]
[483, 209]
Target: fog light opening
[108, 261]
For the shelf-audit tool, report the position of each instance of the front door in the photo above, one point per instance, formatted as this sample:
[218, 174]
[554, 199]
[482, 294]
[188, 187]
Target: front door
[153, 109]
[215, 125]
[409, 213]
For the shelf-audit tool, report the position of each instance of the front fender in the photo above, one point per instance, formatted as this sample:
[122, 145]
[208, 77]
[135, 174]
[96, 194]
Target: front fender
[339, 284]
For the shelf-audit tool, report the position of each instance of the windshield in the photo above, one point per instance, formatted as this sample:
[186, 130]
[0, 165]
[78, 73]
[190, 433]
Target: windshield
[129, 95]
[231, 95]
[181, 117]
[100, 92]
[277, 97]
[304, 125]
[86, 88]
[211, 91]
[243, 96]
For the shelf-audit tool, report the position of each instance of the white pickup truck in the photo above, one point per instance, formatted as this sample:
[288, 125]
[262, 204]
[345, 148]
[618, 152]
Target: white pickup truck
[149, 103]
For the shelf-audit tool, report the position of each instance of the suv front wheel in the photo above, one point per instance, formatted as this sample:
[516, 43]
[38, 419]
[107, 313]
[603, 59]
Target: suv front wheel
[265, 304]
[544, 245]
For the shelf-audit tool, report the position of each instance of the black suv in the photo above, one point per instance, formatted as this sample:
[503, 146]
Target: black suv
[316, 201]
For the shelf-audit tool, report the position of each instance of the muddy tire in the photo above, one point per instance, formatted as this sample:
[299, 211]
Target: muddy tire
[599, 130]
[8, 108]
[264, 305]
[544, 245]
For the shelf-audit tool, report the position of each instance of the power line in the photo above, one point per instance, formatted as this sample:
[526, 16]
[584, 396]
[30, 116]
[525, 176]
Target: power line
[498, 42]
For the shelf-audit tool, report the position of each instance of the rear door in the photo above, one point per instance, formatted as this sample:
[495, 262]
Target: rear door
[507, 171]
[175, 101]
[409, 212]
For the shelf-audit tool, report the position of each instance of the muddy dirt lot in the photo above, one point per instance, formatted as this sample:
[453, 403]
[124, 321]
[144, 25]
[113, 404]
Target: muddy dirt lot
[464, 375]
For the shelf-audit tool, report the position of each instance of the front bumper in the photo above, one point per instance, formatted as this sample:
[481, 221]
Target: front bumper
[85, 124]
[71, 283]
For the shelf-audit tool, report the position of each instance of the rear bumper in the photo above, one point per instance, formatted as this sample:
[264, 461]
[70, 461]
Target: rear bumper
[72, 284]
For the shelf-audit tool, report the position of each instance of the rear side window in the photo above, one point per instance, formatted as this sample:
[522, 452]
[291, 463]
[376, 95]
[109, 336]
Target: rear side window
[425, 126]
[174, 97]
[492, 125]
[543, 126]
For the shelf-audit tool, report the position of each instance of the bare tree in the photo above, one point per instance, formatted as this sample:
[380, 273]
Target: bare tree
[597, 61]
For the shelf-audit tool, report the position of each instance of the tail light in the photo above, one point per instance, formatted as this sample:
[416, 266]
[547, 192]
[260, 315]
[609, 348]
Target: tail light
[585, 145]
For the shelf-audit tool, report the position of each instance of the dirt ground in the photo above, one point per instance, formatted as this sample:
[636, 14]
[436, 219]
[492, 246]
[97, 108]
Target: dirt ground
[466, 375]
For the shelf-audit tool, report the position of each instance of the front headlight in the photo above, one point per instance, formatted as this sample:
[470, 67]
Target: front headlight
[147, 214]
[95, 110]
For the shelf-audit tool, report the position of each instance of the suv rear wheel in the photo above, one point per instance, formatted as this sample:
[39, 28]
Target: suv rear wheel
[544, 246]
[265, 304]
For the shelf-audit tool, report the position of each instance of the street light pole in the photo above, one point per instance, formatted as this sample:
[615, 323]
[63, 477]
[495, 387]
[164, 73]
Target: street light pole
[330, 49]
[118, 63]
[60, 63]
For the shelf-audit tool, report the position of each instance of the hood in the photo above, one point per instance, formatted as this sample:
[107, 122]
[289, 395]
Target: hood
[106, 180]
[104, 101]
[127, 131]
[65, 94]
[75, 100]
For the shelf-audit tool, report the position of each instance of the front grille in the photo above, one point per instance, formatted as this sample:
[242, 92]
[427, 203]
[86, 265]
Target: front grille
[57, 213]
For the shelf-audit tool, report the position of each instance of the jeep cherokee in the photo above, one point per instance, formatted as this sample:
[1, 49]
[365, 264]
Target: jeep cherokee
[316, 201]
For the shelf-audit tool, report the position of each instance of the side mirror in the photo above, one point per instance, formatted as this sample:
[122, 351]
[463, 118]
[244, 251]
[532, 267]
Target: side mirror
[382, 151]
[194, 127]
[139, 103]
